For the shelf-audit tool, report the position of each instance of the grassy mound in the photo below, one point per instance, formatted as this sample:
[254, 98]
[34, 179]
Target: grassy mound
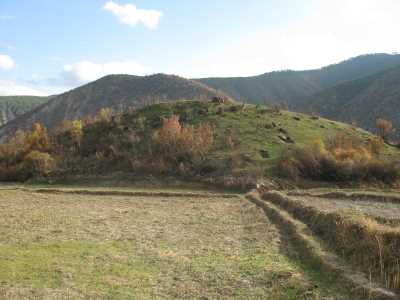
[218, 141]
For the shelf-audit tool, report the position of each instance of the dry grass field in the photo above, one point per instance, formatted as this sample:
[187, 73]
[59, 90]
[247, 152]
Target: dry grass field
[75, 246]
[361, 227]
[379, 210]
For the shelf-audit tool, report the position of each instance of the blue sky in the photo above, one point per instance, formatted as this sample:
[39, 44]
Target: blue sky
[49, 46]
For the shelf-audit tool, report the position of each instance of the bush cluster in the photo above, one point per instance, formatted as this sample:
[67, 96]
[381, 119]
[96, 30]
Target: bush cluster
[27, 154]
[341, 159]
[182, 146]
[106, 143]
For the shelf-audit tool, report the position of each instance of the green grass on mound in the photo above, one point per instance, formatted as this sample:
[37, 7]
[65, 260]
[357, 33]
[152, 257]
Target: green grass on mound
[257, 130]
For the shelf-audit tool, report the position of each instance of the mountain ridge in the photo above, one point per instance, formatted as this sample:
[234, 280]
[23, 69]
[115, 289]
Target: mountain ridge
[291, 87]
[362, 101]
[115, 91]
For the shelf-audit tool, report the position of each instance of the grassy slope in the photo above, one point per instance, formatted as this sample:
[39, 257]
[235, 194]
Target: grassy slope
[249, 128]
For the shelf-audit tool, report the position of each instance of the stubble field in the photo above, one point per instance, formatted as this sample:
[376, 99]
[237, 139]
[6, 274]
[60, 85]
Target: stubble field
[57, 245]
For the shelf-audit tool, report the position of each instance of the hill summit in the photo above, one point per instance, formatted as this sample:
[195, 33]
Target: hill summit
[118, 92]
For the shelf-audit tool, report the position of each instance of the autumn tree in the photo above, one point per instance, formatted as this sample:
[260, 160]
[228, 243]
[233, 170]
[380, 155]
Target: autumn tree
[385, 127]
[104, 115]
[39, 163]
[178, 143]
[68, 136]
[38, 138]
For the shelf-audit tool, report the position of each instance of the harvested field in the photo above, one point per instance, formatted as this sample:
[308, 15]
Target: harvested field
[79, 246]
[368, 245]
[377, 209]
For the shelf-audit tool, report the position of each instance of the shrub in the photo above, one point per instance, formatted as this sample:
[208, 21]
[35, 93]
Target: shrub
[376, 145]
[38, 139]
[104, 115]
[39, 163]
[289, 168]
[178, 144]
[343, 159]
[385, 127]
[68, 136]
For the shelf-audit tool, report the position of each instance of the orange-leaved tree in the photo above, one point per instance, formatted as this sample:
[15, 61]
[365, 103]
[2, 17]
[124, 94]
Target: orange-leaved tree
[385, 127]
[178, 143]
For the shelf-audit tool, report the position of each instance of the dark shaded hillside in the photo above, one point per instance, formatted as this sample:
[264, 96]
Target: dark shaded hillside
[115, 91]
[284, 86]
[354, 68]
[292, 87]
[362, 101]
[14, 106]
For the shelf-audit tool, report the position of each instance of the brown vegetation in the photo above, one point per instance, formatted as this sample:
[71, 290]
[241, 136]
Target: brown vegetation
[106, 143]
[369, 246]
[341, 159]
[180, 145]
[27, 154]
[385, 127]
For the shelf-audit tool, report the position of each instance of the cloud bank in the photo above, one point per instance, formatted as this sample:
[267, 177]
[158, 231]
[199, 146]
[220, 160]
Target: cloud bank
[331, 31]
[11, 88]
[130, 15]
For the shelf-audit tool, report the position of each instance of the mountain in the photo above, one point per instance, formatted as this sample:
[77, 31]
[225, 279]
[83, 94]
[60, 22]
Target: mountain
[362, 101]
[292, 87]
[282, 86]
[299, 89]
[115, 91]
[14, 106]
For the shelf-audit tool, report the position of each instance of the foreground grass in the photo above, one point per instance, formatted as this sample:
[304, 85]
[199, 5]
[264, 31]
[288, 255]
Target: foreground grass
[80, 246]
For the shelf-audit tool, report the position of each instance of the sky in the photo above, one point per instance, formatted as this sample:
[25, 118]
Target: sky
[51, 46]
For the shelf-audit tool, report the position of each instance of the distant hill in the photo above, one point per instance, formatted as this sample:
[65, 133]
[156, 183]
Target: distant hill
[14, 106]
[361, 101]
[283, 86]
[116, 91]
[291, 87]
[359, 80]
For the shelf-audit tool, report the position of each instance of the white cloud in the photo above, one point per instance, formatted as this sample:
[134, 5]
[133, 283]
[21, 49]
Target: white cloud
[6, 62]
[330, 32]
[130, 15]
[86, 71]
[11, 88]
